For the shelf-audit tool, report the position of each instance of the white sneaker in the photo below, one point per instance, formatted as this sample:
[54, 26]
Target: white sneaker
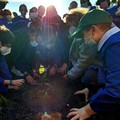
[17, 72]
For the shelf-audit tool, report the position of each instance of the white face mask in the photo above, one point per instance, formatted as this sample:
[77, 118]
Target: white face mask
[89, 41]
[72, 30]
[33, 43]
[5, 50]
[33, 15]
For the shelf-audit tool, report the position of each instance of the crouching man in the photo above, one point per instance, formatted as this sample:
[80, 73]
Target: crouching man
[99, 30]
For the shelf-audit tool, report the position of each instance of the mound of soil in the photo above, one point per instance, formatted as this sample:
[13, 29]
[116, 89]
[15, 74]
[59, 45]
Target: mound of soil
[51, 95]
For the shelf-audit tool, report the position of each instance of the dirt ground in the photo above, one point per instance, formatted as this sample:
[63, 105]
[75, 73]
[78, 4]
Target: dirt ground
[49, 95]
[53, 96]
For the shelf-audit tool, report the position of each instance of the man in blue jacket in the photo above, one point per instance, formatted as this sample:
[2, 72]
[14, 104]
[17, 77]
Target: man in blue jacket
[99, 31]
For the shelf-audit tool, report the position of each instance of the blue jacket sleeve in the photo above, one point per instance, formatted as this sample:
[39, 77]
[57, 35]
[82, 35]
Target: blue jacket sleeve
[4, 74]
[1, 80]
[108, 99]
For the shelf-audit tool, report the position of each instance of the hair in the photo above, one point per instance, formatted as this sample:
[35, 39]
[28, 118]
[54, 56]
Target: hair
[73, 18]
[73, 4]
[113, 1]
[4, 1]
[15, 14]
[33, 9]
[6, 36]
[117, 0]
[51, 11]
[3, 4]
[75, 15]
[83, 1]
[100, 1]
[7, 12]
[23, 5]
[41, 10]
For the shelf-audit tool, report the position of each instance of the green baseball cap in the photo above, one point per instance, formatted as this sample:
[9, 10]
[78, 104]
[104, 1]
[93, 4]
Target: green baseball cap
[93, 17]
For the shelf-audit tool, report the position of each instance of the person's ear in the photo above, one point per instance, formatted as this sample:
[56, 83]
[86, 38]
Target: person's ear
[96, 33]
[93, 28]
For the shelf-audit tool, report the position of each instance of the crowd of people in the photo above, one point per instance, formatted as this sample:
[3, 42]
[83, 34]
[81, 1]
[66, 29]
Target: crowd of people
[82, 47]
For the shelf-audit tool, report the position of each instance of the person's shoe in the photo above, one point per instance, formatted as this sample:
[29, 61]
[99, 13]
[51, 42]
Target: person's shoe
[17, 72]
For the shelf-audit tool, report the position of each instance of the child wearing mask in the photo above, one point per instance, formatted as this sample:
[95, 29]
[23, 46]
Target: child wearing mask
[25, 60]
[21, 20]
[6, 81]
[7, 15]
[33, 16]
[101, 32]
[51, 51]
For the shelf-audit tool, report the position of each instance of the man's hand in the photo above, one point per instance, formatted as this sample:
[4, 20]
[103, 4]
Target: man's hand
[117, 13]
[52, 72]
[81, 114]
[65, 77]
[13, 87]
[85, 91]
[62, 70]
[36, 75]
[30, 80]
[18, 82]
